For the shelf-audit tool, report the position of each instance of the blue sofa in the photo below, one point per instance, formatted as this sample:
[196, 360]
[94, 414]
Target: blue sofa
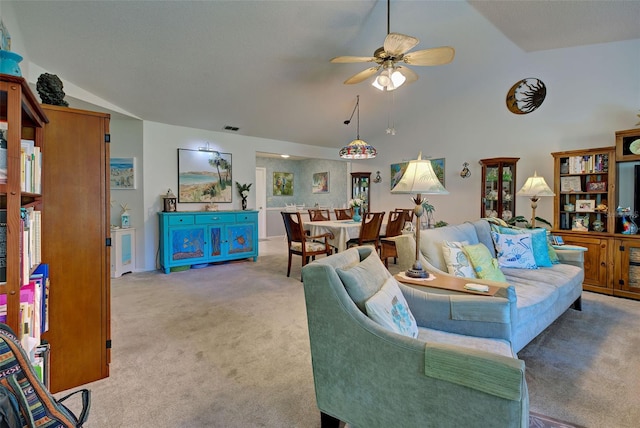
[455, 373]
[536, 297]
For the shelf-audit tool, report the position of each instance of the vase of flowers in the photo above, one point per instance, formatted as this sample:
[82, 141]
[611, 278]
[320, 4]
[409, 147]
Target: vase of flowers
[356, 204]
[243, 191]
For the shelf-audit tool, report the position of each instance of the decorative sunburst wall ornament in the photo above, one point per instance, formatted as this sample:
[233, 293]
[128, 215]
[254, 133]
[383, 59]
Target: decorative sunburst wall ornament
[526, 96]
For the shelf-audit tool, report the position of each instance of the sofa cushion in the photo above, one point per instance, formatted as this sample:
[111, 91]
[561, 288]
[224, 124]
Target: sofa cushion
[364, 279]
[514, 251]
[496, 346]
[458, 263]
[389, 308]
[538, 239]
[485, 266]
[431, 241]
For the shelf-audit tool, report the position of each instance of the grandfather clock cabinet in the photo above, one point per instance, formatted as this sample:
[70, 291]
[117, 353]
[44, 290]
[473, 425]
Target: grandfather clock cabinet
[75, 239]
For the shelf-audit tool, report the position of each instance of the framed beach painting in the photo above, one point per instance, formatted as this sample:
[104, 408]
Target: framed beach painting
[122, 173]
[397, 171]
[204, 176]
[438, 168]
[282, 184]
[320, 182]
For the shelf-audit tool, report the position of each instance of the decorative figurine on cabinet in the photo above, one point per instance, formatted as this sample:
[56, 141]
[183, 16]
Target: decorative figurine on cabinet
[169, 199]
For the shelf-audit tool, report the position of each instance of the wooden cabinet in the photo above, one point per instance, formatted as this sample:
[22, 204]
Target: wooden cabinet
[598, 266]
[498, 187]
[194, 238]
[584, 186]
[627, 268]
[20, 118]
[589, 185]
[360, 188]
[75, 232]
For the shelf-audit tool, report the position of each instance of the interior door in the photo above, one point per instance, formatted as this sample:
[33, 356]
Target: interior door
[261, 201]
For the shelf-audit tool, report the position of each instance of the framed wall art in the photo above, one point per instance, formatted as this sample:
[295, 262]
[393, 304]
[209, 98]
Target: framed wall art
[204, 176]
[282, 184]
[320, 182]
[122, 173]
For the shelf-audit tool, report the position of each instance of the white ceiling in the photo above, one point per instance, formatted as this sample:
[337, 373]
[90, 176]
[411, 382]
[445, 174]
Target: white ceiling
[263, 66]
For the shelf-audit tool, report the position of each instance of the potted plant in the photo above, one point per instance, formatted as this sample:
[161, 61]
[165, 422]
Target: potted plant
[243, 191]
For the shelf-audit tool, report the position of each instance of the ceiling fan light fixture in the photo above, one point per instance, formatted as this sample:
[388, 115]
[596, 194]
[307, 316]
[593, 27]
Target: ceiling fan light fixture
[389, 80]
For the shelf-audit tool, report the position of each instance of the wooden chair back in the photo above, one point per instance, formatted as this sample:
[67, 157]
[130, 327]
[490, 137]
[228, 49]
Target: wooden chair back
[319, 215]
[370, 229]
[408, 213]
[293, 226]
[344, 213]
[395, 223]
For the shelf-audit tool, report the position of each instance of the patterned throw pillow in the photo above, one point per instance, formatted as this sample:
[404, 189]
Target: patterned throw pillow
[514, 251]
[538, 241]
[485, 266]
[458, 263]
[389, 308]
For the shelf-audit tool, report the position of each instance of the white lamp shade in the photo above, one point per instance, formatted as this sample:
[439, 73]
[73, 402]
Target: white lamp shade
[535, 186]
[419, 177]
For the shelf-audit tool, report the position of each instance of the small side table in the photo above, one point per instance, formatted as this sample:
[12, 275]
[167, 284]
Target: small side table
[123, 251]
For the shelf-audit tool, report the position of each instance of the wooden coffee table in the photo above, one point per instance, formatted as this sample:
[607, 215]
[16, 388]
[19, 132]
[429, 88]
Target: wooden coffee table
[444, 282]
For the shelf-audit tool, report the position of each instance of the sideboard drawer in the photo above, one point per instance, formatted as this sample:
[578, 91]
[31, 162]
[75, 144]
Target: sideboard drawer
[176, 220]
[247, 217]
[214, 218]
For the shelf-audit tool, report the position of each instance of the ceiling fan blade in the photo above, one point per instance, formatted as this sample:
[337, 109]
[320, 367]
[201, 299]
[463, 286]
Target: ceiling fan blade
[396, 44]
[434, 56]
[408, 73]
[363, 75]
[350, 59]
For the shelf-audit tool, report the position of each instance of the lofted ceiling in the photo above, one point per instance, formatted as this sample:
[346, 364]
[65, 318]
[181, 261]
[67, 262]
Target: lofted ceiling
[263, 66]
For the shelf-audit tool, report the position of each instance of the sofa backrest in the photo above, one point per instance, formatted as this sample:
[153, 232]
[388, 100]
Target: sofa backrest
[483, 231]
[431, 241]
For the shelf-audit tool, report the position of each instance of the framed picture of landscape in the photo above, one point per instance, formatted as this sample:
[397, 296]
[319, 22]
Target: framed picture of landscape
[204, 176]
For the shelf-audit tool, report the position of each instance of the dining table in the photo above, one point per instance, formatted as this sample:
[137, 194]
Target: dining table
[341, 231]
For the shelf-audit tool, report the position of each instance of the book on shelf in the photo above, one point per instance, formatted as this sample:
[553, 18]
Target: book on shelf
[3, 245]
[30, 167]
[4, 129]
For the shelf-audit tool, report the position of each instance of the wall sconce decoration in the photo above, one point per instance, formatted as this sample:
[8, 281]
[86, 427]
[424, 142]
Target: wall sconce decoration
[170, 201]
[377, 178]
[465, 173]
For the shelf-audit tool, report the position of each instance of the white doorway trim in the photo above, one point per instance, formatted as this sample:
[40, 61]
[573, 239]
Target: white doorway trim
[261, 201]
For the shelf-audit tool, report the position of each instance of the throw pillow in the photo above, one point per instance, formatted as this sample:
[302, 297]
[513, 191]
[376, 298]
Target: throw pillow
[553, 255]
[514, 251]
[538, 240]
[485, 266]
[364, 279]
[389, 308]
[458, 263]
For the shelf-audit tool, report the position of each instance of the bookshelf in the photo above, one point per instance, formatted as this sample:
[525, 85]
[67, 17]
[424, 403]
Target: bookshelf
[75, 236]
[21, 119]
[589, 185]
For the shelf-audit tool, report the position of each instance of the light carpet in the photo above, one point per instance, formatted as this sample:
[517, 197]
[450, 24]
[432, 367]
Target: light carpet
[227, 346]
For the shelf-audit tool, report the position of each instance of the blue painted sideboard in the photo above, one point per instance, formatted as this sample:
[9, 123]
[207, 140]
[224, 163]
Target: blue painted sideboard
[195, 238]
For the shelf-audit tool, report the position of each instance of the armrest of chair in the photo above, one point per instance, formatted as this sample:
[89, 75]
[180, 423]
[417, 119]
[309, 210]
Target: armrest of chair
[471, 315]
[493, 374]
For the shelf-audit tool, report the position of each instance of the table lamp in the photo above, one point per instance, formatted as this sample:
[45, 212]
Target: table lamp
[535, 187]
[419, 178]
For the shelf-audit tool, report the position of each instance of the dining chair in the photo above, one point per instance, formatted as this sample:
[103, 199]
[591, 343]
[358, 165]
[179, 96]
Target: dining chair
[369, 231]
[319, 215]
[395, 225]
[408, 212]
[302, 244]
[344, 213]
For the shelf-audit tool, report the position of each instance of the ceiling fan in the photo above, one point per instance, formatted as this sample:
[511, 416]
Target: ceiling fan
[396, 50]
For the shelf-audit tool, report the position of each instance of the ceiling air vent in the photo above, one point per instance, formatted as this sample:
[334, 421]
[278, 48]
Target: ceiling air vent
[231, 128]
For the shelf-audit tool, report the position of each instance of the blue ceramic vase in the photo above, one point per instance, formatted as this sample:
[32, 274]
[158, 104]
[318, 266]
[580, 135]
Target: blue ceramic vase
[9, 63]
[356, 214]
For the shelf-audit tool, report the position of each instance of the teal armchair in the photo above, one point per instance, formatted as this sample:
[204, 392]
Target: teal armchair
[368, 376]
